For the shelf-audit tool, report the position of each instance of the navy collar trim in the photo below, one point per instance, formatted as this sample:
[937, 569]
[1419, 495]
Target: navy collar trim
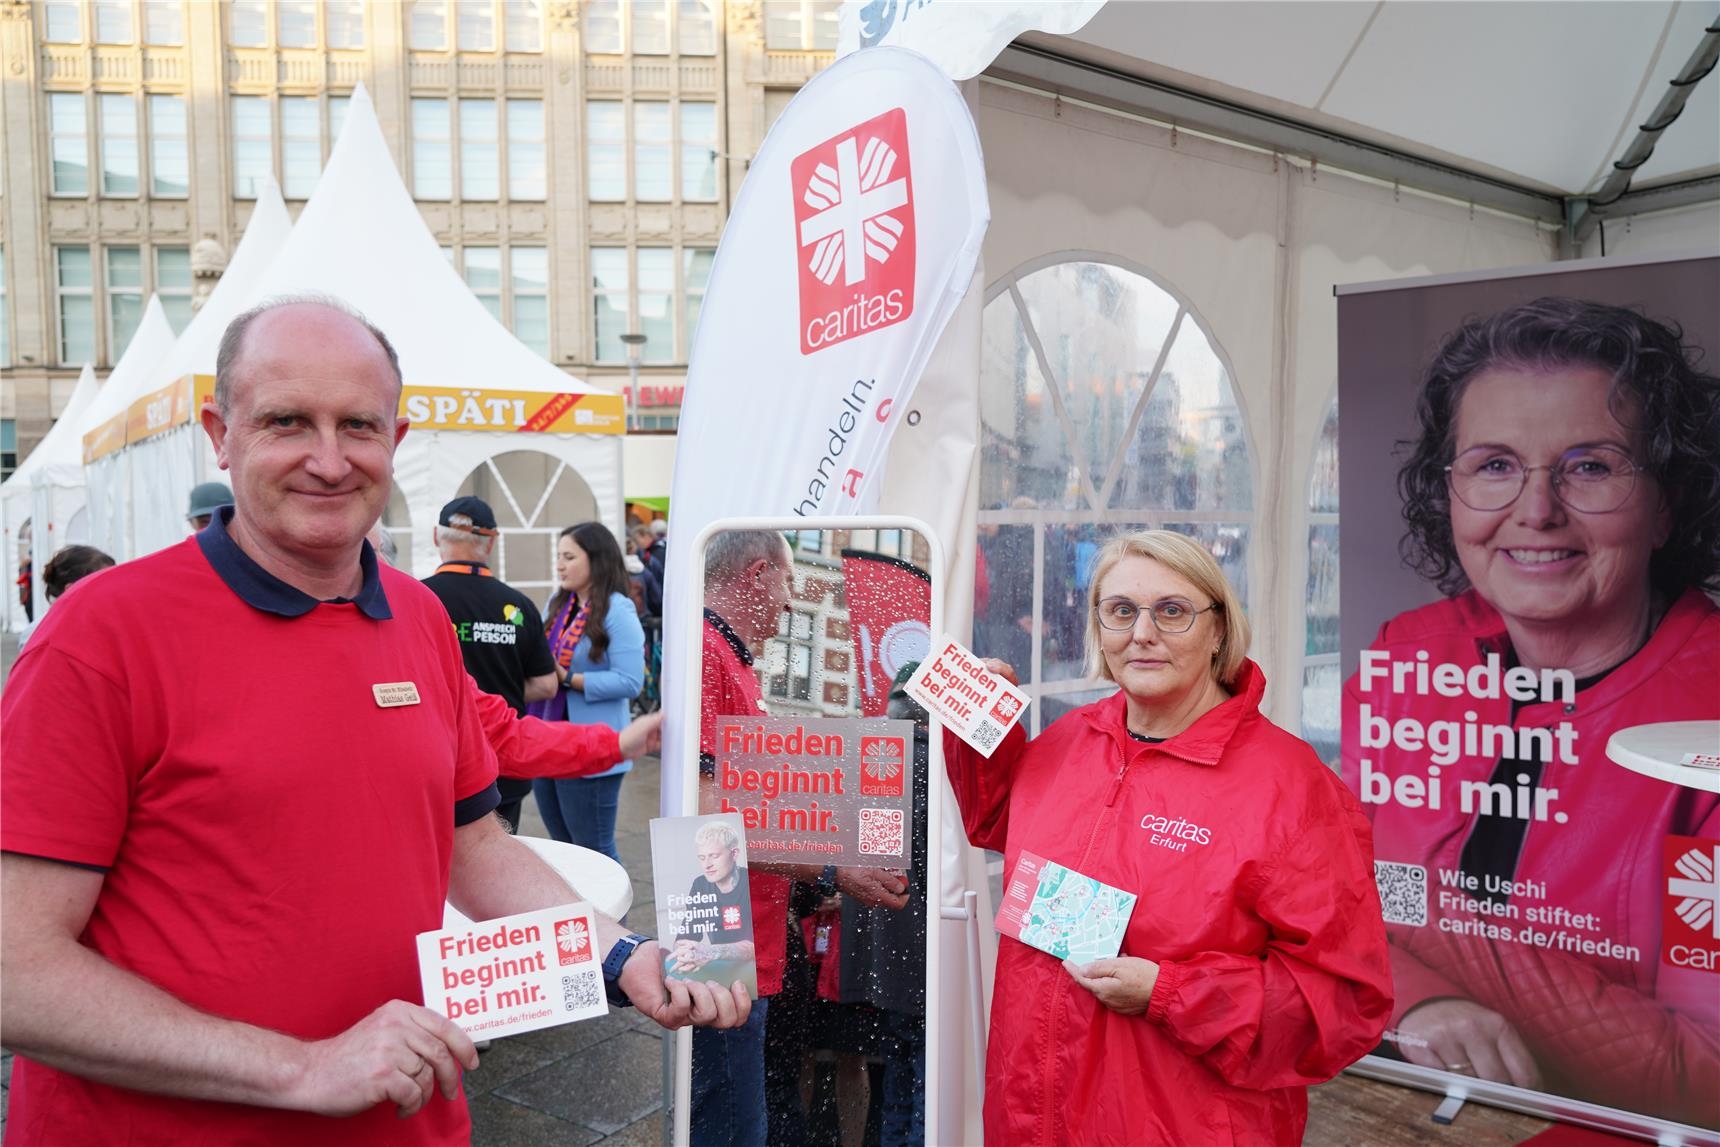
[262, 590]
[740, 647]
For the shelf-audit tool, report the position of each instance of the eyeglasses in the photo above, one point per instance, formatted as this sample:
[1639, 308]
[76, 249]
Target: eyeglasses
[1172, 615]
[1588, 479]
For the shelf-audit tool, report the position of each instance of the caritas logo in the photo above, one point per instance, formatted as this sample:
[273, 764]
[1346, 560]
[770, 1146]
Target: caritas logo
[882, 766]
[572, 941]
[854, 215]
[731, 918]
[1690, 917]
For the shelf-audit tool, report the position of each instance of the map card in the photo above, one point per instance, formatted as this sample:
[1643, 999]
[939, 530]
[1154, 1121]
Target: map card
[1057, 910]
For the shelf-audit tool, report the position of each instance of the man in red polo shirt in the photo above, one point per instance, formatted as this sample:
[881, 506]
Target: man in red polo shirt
[747, 589]
[279, 776]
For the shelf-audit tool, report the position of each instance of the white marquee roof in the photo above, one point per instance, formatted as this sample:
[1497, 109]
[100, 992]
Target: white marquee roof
[134, 375]
[61, 450]
[1543, 95]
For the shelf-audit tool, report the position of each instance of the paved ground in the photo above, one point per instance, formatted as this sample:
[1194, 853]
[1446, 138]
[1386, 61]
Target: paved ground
[600, 1081]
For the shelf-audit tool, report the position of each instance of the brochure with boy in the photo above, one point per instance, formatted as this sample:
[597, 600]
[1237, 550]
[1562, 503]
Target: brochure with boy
[515, 973]
[704, 915]
[1057, 910]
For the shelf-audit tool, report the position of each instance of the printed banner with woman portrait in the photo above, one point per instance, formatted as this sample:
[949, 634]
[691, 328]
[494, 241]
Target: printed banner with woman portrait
[1530, 551]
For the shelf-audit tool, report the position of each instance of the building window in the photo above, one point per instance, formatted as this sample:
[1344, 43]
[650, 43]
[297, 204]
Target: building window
[526, 158]
[605, 150]
[124, 297]
[475, 25]
[113, 21]
[68, 143]
[62, 22]
[800, 25]
[696, 27]
[427, 28]
[432, 150]
[648, 27]
[656, 304]
[343, 23]
[163, 23]
[530, 283]
[480, 151]
[169, 148]
[484, 277]
[301, 146]
[253, 146]
[8, 448]
[602, 27]
[248, 23]
[698, 152]
[695, 273]
[337, 106]
[791, 664]
[611, 300]
[653, 145]
[74, 291]
[295, 23]
[173, 285]
[522, 22]
[119, 145]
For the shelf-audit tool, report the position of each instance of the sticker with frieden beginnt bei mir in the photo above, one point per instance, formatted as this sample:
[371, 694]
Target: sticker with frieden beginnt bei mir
[974, 703]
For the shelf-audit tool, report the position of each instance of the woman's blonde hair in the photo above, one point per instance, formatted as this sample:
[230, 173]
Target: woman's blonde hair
[1182, 555]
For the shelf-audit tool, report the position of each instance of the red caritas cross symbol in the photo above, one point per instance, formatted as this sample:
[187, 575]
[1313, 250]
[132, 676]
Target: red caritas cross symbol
[854, 220]
[883, 765]
[1690, 916]
[731, 918]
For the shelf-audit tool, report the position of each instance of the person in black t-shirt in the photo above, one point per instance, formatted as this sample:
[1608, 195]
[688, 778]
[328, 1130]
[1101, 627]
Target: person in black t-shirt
[500, 630]
[715, 940]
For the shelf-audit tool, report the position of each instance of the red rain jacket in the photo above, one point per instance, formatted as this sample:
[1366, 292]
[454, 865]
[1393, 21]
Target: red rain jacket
[1254, 871]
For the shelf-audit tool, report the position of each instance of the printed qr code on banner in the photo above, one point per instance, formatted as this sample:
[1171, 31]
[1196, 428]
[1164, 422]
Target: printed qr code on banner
[580, 992]
[986, 736]
[1403, 892]
[881, 831]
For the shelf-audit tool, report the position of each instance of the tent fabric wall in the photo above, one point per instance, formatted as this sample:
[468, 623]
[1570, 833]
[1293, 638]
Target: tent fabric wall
[163, 470]
[55, 464]
[1254, 244]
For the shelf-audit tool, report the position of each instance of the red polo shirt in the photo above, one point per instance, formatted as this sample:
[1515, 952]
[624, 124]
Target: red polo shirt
[272, 835]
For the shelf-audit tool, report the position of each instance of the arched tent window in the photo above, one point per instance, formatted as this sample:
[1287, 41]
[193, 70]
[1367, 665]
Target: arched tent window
[1321, 686]
[535, 496]
[1104, 407]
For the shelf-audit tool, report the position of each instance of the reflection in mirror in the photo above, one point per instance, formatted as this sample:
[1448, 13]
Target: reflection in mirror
[804, 638]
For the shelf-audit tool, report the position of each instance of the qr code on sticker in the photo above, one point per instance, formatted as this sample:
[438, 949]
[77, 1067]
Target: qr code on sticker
[580, 992]
[1403, 892]
[986, 736]
[881, 831]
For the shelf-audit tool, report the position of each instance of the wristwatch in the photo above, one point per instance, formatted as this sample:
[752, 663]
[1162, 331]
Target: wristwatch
[827, 881]
[614, 962]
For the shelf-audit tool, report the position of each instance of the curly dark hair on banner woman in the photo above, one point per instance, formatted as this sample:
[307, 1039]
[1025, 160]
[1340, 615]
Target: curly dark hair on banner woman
[1657, 385]
[608, 576]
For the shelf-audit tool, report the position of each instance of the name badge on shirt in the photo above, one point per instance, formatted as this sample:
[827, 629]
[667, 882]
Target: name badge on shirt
[393, 694]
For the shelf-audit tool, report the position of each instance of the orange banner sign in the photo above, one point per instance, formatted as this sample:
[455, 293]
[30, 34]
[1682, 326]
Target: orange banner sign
[438, 408]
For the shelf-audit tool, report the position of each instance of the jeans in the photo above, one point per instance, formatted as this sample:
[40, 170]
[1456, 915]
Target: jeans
[728, 1084]
[904, 1116]
[581, 811]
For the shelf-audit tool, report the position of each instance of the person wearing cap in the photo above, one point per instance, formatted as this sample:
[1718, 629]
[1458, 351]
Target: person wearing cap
[219, 946]
[500, 630]
[206, 498]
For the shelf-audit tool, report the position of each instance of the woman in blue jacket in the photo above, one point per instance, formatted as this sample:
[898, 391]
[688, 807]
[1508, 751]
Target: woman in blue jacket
[599, 649]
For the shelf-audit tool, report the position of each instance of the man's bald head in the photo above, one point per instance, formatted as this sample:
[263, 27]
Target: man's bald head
[229, 360]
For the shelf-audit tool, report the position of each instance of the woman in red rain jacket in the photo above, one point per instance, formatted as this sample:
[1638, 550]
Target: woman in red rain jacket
[1254, 963]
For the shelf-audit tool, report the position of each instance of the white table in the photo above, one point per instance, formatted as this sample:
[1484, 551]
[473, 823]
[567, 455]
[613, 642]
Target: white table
[1657, 750]
[600, 881]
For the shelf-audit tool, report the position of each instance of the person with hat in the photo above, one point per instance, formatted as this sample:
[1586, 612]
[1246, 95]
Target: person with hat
[206, 498]
[500, 630]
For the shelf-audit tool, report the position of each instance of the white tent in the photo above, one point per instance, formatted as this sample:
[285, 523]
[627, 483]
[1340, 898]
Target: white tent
[102, 431]
[56, 467]
[165, 465]
[473, 391]
[1240, 160]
